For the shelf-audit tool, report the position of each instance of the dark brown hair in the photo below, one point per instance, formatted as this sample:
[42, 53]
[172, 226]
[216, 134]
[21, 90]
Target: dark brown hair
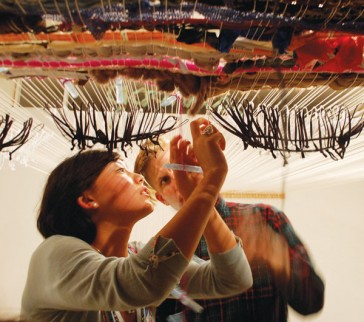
[59, 212]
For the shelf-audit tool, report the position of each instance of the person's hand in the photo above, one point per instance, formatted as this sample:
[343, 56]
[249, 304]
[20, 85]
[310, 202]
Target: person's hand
[208, 149]
[185, 181]
[263, 244]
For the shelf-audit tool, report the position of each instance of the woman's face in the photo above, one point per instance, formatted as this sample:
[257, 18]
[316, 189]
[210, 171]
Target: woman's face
[121, 195]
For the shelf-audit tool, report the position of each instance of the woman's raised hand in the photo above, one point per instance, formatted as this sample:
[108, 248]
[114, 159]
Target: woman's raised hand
[206, 152]
[183, 154]
[208, 147]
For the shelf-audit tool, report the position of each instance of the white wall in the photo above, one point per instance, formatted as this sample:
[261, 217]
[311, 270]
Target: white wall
[329, 220]
[19, 195]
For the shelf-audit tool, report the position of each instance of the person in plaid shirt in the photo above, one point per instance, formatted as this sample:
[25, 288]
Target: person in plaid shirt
[283, 273]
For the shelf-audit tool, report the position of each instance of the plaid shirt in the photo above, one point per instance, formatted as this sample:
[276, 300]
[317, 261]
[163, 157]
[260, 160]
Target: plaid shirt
[264, 302]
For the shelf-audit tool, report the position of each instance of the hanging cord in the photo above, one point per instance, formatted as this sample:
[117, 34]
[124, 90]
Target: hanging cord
[93, 125]
[290, 130]
[17, 140]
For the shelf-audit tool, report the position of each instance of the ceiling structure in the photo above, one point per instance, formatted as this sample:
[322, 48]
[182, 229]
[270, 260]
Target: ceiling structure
[282, 79]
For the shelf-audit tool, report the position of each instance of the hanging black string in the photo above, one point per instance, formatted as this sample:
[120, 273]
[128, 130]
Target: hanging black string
[318, 130]
[11, 143]
[115, 129]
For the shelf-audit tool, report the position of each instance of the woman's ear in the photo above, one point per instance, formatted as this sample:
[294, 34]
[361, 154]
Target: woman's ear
[87, 202]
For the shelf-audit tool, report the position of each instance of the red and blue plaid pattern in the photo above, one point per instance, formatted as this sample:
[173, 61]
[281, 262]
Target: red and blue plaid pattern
[264, 302]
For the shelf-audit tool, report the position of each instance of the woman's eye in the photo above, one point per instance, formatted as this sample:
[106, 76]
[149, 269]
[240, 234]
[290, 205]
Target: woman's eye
[121, 170]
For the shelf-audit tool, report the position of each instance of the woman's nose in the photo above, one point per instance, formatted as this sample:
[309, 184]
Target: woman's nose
[138, 178]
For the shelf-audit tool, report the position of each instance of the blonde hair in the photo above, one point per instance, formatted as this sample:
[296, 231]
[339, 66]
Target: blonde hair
[149, 150]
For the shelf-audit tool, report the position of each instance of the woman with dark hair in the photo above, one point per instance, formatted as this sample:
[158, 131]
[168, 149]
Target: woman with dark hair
[86, 269]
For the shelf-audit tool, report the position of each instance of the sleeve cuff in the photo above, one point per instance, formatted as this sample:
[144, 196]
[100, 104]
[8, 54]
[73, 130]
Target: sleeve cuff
[229, 257]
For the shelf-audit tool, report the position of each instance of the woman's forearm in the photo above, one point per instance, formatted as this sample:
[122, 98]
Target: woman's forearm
[218, 236]
[188, 225]
[194, 214]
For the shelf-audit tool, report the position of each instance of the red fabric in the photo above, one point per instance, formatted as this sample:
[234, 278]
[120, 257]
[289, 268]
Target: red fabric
[339, 55]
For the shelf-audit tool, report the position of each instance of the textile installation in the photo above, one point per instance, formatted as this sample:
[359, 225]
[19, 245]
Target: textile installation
[283, 77]
[129, 69]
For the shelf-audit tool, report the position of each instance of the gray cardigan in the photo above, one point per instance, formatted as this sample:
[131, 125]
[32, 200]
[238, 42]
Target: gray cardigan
[69, 281]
